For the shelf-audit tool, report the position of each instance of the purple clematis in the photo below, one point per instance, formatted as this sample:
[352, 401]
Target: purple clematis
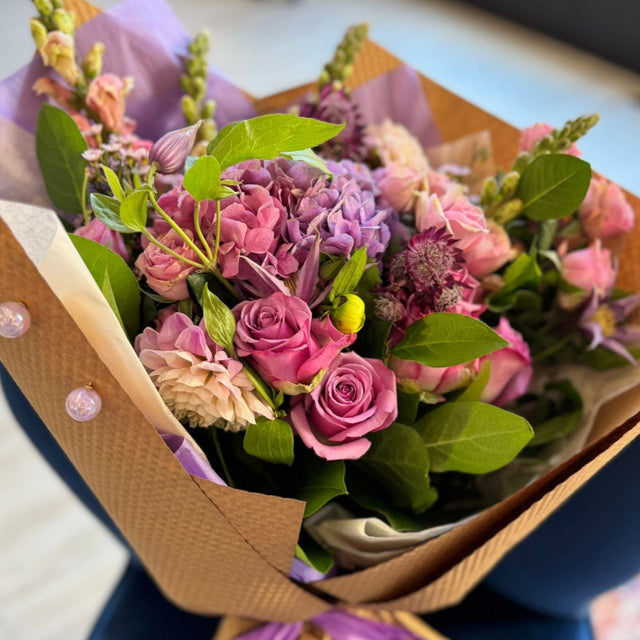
[602, 321]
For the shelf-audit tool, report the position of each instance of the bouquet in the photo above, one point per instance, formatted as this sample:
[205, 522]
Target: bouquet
[331, 316]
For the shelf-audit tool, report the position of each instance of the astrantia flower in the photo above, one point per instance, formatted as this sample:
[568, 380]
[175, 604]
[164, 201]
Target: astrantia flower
[196, 378]
[394, 143]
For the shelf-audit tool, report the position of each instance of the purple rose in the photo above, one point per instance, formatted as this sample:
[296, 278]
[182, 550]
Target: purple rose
[356, 397]
[284, 343]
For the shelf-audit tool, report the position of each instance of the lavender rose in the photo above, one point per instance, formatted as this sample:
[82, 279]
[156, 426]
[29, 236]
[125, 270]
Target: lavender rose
[284, 343]
[356, 397]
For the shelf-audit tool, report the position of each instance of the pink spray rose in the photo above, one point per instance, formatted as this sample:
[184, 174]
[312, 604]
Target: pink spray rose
[101, 234]
[464, 221]
[166, 274]
[356, 397]
[533, 134]
[488, 255]
[511, 368]
[605, 212]
[106, 96]
[589, 269]
[197, 379]
[284, 343]
[398, 184]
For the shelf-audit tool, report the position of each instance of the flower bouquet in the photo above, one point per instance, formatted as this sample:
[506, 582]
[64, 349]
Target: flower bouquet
[370, 355]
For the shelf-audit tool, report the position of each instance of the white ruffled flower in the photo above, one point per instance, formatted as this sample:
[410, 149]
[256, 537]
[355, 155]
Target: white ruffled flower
[198, 381]
[395, 144]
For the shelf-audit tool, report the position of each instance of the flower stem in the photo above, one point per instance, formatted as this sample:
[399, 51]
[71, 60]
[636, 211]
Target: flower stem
[151, 239]
[218, 226]
[196, 224]
[225, 469]
[85, 211]
[260, 385]
[205, 261]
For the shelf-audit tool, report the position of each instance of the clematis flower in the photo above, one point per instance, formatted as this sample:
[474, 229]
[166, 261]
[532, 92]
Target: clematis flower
[172, 150]
[198, 381]
[602, 322]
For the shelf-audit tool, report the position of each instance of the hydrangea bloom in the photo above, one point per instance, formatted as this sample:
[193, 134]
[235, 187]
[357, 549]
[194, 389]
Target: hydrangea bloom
[196, 378]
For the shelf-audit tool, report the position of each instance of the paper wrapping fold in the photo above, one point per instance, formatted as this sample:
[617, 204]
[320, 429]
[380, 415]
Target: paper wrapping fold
[216, 550]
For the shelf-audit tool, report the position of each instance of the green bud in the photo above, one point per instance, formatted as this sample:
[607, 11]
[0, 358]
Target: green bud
[349, 317]
[58, 4]
[185, 83]
[509, 184]
[199, 88]
[64, 21]
[92, 63]
[208, 109]
[508, 211]
[39, 32]
[208, 130]
[489, 191]
[44, 7]
[189, 109]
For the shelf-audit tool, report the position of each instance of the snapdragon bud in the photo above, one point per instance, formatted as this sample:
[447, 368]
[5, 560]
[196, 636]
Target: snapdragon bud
[509, 184]
[64, 21]
[39, 32]
[44, 7]
[171, 151]
[508, 211]
[189, 109]
[92, 63]
[349, 317]
[208, 109]
[489, 191]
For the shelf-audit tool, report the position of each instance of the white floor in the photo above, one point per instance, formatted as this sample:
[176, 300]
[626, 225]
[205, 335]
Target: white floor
[57, 565]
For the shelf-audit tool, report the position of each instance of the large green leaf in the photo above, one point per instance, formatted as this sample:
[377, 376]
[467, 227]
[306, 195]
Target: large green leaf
[553, 186]
[115, 279]
[59, 147]
[218, 320]
[202, 180]
[447, 339]
[398, 455]
[472, 437]
[270, 440]
[267, 137]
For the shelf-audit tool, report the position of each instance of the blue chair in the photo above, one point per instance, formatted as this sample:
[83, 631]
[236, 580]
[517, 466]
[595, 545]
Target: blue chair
[542, 589]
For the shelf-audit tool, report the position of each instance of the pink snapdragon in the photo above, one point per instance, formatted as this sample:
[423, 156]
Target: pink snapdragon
[106, 96]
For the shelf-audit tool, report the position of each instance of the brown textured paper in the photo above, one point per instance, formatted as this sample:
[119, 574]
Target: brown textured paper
[218, 550]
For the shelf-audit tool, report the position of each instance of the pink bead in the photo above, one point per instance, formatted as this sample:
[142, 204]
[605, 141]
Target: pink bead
[15, 320]
[83, 404]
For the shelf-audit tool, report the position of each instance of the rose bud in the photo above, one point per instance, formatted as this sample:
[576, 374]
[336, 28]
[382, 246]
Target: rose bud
[349, 317]
[171, 151]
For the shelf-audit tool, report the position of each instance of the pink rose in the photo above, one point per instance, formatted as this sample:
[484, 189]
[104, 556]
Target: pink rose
[605, 211]
[533, 134]
[284, 343]
[588, 269]
[356, 397]
[106, 96]
[490, 253]
[464, 221]
[413, 376]
[166, 274]
[511, 368]
[398, 184]
[101, 234]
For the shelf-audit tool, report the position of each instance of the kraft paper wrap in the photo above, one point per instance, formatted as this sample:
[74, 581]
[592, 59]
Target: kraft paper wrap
[216, 550]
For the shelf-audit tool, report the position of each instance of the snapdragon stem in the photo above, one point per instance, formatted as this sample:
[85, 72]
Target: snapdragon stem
[85, 182]
[154, 203]
[225, 469]
[218, 226]
[196, 224]
[166, 249]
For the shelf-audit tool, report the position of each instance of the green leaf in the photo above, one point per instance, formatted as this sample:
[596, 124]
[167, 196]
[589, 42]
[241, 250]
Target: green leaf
[472, 437]
[447, 339]
[267, 137]
[270, 440]
[202, 180]
[555, 428]
[408, 404]
[553, 186]
[114, 183]
[115, 279]
[199, 279]
[314, 555]
[107, 210]
[310, 157]
[523, 273]
[316, 480]
[349, 276]
[473, 392]
[398, 455]
[218, 320]
[59, 147]
[133, 210]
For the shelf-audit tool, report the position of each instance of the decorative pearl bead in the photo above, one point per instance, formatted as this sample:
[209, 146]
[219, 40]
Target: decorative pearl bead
[83, 404]
[15, 320]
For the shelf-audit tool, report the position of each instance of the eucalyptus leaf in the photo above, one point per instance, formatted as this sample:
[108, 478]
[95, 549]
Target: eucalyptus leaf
[218, 320]
[107, 210]
[114, 183]
[472, 437]
[134, 209]
[267, 137]
[553, 186]
[398, 455]
[270, 440]
[349, 276]
[202, 180]
[115, 279]
[59, 148]
[447, 339]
